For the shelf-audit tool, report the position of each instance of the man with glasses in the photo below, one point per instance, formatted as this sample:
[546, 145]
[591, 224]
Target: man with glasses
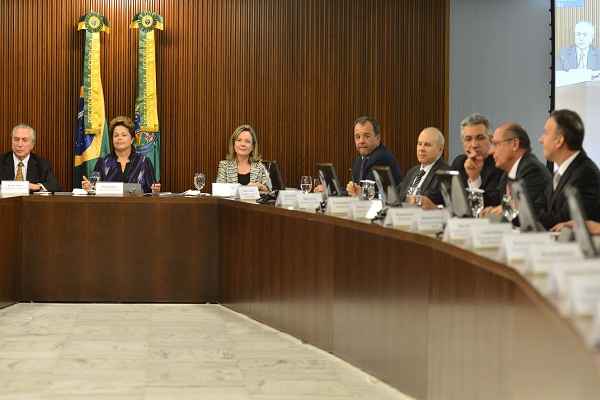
[477, 167]
[511, 149]
[563, 144]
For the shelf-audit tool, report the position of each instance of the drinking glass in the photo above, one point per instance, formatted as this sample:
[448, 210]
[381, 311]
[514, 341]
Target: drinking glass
[476, 201]
[367, 189]
[414, 193]
[94, 178]
[306, 183]
[199, 181]
[509, 209]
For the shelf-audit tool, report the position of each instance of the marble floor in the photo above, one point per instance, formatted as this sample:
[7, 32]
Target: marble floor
[167, 351]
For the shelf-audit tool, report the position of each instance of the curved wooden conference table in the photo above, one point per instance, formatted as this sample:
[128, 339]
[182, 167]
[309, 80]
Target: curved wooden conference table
[429, 318]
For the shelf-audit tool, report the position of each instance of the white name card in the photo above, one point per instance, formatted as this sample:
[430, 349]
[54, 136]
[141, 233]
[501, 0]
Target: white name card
[458, 230]
[558, 272]
[366, 209]
[109, 188]
[340, 205]
[401, 217]
[309, 201]
[515, 246]
[429, 221]
[541, 257]
[248, 193]
[486, 237]
[287, 198]
[225, 189]
[15, 187]
[584, 293]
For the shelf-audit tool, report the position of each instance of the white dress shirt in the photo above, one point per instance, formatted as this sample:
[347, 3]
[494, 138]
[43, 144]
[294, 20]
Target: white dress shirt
[582, 56]
[427, 169]
[563, 168]
[25, 161]
[512, 174]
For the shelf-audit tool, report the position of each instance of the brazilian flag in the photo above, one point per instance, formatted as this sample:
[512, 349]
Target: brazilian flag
[91, 139]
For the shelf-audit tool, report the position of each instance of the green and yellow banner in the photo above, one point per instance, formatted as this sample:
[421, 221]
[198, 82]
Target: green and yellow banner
[91, 136]
[147, 129]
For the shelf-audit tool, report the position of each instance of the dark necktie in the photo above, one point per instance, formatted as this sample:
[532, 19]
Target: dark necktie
[418, 178]
[363, 163]
[19, 175]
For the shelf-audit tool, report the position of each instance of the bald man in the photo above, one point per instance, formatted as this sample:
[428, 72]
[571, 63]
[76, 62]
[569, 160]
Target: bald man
[422, 179]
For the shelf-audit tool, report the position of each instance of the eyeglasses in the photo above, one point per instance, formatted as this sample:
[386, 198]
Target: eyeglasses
[496, 143]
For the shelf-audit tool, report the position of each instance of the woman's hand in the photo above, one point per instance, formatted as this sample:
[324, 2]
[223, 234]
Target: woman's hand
[85, 184]
[260, 186]
[353, 189]
[155, 187]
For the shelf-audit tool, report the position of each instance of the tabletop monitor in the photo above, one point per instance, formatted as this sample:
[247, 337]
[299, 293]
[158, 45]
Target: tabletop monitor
[386, 185]
[330, 180]
[582, 234]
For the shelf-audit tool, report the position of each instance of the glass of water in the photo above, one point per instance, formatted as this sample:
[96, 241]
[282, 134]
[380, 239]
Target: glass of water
[94, 178]
[509, 209]
[199, 181]
[306, 183]
[476, 201]
[367, 189]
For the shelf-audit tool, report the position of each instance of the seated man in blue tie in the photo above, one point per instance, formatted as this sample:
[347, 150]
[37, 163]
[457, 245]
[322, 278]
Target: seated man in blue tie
[421, 182]
[367, 139]
[21, 164]
[511, 148]
[563, 144]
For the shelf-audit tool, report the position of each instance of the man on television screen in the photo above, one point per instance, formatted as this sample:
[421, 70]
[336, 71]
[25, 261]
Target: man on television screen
[580, 56]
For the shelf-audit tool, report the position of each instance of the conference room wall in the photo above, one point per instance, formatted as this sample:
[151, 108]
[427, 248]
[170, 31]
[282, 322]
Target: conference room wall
[300, 71]
[500, 64]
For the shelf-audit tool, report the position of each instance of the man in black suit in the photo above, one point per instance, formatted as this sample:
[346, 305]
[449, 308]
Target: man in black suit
[367, 138]
[477, 166]
[511, 149]
[421, 182]
[22, 164]
[563, 144]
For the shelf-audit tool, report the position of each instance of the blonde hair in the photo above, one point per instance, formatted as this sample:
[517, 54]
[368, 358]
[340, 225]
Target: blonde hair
[254, 154]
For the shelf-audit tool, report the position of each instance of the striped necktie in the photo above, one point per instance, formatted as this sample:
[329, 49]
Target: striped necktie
[418, 178]
[19, 176]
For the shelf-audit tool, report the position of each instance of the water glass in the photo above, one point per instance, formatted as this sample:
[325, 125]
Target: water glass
[306, 183]
[94, 178]
[509, 209]
[476, 201]
[199, 181]
[367, 189]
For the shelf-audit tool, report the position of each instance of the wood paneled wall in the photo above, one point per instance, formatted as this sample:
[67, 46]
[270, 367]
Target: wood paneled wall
[300, 71]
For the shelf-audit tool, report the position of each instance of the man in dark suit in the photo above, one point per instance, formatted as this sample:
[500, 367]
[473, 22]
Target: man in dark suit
[563, 144]
[511, 149]
[367, 138]
[477, 167]
[422, 179]
[22, 164]
[582, 55]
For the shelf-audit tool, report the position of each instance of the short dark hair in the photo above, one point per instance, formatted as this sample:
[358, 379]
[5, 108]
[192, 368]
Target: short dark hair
[366, 118]
[571, 127]
[520, 133]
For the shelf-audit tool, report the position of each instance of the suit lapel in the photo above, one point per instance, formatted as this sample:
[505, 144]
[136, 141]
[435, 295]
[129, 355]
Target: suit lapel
[429, 177]
[8, 167]
[566, 177]
[32, 168]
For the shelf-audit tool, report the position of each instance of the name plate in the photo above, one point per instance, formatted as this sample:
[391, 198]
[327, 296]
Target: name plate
[368, 209]
[541, 257]
[558, 275]
[109, 188]
[287, 198]
[340, 205]
[15, 187]
[487, 237]
[515, 246]
[401, 217]
[584, 293]
[429, 221]
[225, 189]
[248, 193]
[458, 230]
[309, 201]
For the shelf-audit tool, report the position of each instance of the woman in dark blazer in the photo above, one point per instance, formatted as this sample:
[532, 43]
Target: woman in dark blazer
[243, 164]
[124, 163]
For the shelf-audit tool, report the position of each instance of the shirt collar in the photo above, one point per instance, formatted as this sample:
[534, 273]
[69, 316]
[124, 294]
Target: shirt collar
[25, 160]
[428, 167]
[512, 174]
[563, 167]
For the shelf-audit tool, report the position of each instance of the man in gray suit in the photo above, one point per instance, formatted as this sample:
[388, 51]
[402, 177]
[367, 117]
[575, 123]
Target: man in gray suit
[582, 55]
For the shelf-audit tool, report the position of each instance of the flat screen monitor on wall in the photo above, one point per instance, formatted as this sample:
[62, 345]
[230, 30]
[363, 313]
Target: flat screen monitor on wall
[577, 65]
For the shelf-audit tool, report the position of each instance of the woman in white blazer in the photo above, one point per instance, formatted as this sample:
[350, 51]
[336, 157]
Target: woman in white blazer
[243, 164]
